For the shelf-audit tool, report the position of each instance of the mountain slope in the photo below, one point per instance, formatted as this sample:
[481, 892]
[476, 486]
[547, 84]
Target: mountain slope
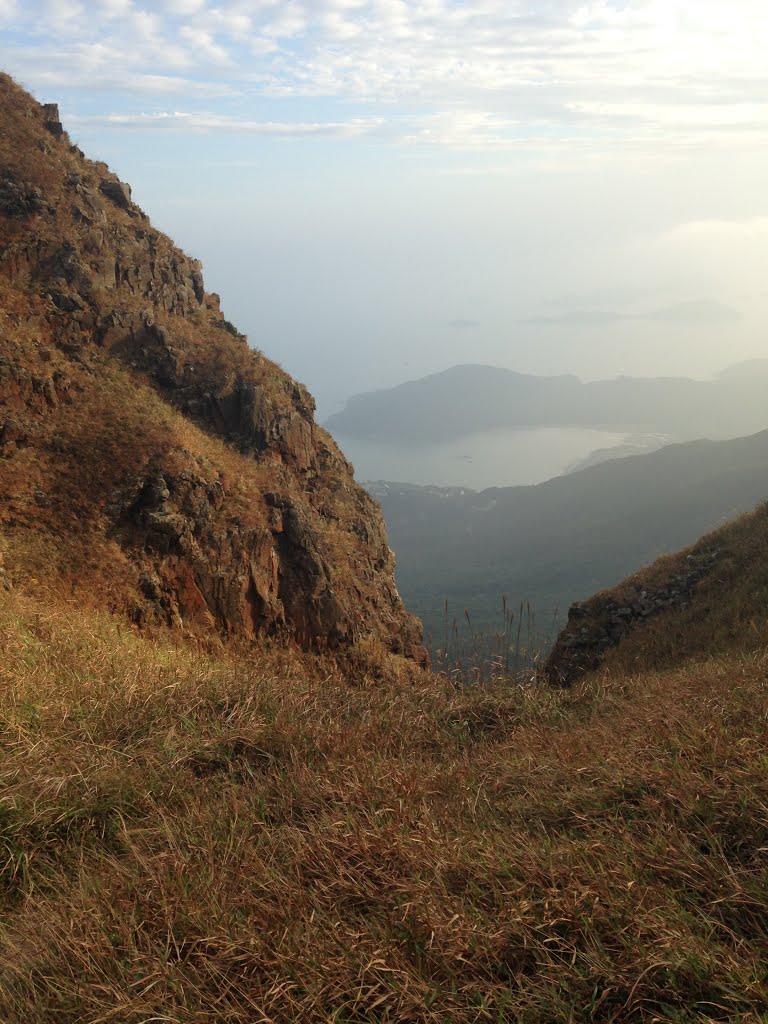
[560, 540]
[466, 399]
[149, 460]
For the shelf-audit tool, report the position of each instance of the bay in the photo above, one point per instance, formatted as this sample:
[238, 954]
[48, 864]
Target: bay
[505, 457]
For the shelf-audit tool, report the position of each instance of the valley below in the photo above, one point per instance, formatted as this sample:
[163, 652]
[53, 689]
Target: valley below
[463, 553]
[510, 496]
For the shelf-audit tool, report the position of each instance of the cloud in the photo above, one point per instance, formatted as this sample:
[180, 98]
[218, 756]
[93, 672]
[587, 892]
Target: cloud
[235, 24]
[183, 7]
[114, 8]
[465, 129]
[211, 122]
[477, 76]
[99, 80]
[203, 42]
[716, 232]
[59, 12]
[290, 20]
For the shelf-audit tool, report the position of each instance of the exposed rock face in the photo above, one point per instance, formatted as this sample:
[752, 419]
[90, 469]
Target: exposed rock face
[19, 198]
[136, 422]
[117, 191]
[605, 621]
[52, 120]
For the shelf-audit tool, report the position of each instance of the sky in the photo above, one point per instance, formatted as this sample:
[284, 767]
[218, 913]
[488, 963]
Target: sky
[380, 189]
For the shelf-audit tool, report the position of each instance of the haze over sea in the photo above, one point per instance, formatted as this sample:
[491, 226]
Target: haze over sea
[504, 457]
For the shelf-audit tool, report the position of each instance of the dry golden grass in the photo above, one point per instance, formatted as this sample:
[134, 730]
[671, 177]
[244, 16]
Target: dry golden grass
[94, 442]
[200, 835]
[727, 611]
[265, 836]
[22, 121]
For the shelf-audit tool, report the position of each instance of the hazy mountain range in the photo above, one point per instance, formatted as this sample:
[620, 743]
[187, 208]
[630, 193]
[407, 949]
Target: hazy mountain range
[470, 398]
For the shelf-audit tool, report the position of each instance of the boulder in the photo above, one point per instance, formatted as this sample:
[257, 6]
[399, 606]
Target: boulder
[117, 191]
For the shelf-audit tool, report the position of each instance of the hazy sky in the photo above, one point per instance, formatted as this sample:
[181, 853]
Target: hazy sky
[380, 189]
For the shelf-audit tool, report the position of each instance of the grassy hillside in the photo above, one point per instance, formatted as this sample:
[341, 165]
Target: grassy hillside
[710, 597]
[202, 821]
[194, 835]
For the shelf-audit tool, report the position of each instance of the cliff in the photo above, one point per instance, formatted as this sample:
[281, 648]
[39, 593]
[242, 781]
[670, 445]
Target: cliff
[150, 461]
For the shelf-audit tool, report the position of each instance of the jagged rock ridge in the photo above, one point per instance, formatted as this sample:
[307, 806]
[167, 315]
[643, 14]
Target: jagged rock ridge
[148, 456]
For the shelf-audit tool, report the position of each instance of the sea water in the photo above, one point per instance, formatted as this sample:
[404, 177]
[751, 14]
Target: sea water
[505, 457]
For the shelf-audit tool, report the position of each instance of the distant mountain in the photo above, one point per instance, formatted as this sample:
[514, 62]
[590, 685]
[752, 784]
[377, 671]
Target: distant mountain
[470, 398]
[699, 312]
[564, 539]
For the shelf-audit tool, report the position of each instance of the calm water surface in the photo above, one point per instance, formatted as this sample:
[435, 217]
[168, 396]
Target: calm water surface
[493, 458]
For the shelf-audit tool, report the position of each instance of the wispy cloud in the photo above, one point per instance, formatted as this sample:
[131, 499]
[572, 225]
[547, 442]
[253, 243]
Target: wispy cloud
[208, 122]
[717, 232]
[637, 69]
[8, 11]
[105, 82]
[462, 324]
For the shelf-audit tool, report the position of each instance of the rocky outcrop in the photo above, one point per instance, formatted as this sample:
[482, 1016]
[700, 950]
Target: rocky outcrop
[269, 533]
[117, 191]
[19, 198]
[606, 620]
[51, 119]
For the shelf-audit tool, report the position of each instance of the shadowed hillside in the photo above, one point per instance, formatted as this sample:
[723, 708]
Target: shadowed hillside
[556, 542]
[709, 598]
